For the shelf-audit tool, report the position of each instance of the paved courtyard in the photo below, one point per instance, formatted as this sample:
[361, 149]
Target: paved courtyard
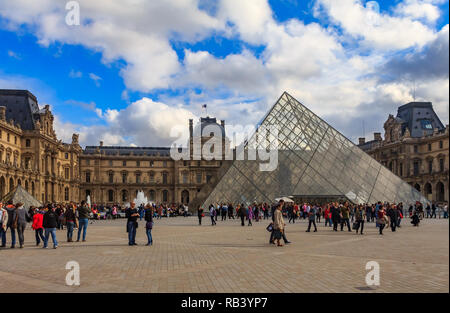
[230, 258]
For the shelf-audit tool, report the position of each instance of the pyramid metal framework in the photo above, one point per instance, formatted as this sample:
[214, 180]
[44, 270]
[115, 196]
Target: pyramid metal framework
[313, 159]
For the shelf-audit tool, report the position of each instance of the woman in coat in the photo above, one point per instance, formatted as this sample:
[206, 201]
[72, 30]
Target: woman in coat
[278, 225]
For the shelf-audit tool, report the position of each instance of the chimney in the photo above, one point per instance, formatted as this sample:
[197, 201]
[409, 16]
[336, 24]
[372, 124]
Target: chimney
[191, 128]
[377, 136]
[2, 113]
[362, 140]
[101, 143]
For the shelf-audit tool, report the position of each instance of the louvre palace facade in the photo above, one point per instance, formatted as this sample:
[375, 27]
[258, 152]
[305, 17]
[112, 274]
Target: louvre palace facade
[52, 171]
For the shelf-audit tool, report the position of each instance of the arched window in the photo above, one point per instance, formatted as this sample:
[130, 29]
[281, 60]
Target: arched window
[440, 192]
[185, 197]
[66, 194]
[11, 184]
[165, 195]
[124, 195]
[428, 189]
[111, 195]
[151, 195]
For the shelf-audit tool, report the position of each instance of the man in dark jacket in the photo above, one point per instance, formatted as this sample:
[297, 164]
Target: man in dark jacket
[335, 216]
[83, 219]
[392, 212]
[49, 223]
[132, 215]
[12, 216]
[242, 214]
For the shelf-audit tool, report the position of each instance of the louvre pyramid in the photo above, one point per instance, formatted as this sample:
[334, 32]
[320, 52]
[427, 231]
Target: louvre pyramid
[314, 159]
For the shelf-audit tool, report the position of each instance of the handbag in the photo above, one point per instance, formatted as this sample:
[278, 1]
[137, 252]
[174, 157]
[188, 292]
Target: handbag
[149, 225]
[270, 227]
[355, 225]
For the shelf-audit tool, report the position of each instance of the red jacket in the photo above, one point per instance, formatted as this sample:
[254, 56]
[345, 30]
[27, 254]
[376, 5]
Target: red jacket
[38, 218]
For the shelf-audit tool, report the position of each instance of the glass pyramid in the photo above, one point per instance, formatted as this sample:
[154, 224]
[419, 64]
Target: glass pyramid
[314, 159]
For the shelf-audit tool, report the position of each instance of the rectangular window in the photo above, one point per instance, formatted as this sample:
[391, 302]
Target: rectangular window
[111, 177]
[28, 143]
[441, 165]
[138, 163]
[66, 156]
[164, 175]
[138, 178]
[88, 177]
[429, 147]
[124, 178]
[401, 169]
[416, 168]
[7, 137]
[430, 167]
[152, 177]
[185, 178]
[110, 163]
[416, 149]
[151, 163]
[165, 164]
[66, 173]
[124, 163]
[208, 178]
[87, 161]
[199, 178]
[441, 144]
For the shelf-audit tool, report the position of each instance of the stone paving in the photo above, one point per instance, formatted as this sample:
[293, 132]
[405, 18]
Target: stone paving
[230, 258]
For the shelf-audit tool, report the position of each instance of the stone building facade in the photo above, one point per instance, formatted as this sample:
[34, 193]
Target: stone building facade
[30, 153]
[416, 148]
[53, 171]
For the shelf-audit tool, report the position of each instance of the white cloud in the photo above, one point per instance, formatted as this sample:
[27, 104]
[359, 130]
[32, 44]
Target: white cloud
[378, 30]
[14, 55]
[95, 78]
[75, 74]
[418, 9]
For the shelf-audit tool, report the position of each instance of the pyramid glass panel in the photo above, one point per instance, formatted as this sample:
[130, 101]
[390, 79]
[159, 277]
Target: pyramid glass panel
[314, 159]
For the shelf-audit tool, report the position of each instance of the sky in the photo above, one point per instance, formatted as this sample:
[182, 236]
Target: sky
[132, 70]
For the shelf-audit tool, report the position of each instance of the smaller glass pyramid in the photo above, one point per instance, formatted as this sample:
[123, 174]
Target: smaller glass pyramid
[314, 159]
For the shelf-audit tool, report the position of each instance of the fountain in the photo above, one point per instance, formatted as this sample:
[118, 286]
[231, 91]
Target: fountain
[140, 199]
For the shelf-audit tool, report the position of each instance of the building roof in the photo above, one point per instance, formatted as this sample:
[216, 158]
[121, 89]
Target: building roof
[142, 151]
[21, 105]
[419, 118]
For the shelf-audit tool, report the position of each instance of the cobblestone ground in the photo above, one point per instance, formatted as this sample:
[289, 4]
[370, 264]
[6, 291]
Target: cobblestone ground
[230, 258]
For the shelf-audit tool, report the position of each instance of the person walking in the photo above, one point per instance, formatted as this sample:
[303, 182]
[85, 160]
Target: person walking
[250, 215]
[224, 212]
[345, 217]
[50, 221]
[3, 224]
[148, 216]
[381, 219]
[38, 219]
[212, 214]
[242, 214]
[70, 218]
[200, 215]
[12, 222]
[360, 216]
[22, 220]
[230, 212]
[132, 215]
[83, 219]
[335, 216]
[278, 225]
[327, 216]
[392, 212]
[312, 219]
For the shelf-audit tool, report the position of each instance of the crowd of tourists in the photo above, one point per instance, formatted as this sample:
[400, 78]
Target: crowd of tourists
[336, 215]
[46, 221]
